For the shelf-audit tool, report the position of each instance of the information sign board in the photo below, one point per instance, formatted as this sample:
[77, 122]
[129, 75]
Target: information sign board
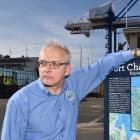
[122, 102]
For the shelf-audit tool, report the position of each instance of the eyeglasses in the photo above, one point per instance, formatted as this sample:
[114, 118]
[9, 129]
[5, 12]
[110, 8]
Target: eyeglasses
[51, 64]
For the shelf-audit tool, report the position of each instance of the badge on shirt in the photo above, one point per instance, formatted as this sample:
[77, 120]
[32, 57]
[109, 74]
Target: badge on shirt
[70, 95]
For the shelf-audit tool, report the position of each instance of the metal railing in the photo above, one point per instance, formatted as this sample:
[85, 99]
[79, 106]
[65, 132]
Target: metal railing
[12, 80]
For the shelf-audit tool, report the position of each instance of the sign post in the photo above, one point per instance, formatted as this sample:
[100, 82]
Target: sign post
[122, 102]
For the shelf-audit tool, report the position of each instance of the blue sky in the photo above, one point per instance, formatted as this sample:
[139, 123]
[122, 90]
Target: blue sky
[26, 24]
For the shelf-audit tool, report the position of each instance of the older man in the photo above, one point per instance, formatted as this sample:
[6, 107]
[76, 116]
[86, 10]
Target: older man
[47, 108]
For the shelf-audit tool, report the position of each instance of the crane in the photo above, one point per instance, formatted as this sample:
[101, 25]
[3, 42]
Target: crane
[103, 17]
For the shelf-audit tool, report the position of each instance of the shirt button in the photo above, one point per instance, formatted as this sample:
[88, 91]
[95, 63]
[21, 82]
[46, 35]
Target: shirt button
[59, 109]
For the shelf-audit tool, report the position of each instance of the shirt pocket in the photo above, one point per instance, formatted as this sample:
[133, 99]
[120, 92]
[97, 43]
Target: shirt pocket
[45, 123]
[40, 123]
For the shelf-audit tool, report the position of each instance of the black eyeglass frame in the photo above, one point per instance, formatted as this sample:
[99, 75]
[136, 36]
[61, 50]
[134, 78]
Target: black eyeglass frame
[52, 64]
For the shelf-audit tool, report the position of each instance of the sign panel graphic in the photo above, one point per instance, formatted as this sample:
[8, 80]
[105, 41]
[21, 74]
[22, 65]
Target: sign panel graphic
[122, 102]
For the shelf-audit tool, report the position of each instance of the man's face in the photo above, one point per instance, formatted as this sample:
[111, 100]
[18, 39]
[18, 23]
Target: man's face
[53, 77]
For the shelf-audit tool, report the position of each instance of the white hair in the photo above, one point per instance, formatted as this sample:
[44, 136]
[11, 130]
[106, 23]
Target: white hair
[56, 44]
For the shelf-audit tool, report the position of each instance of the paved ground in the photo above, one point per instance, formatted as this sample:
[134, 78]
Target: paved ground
[90, 120]
[2, 110]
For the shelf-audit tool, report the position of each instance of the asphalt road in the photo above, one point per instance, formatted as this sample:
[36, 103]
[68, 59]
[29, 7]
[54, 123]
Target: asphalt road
[90, 120]
[2, 111]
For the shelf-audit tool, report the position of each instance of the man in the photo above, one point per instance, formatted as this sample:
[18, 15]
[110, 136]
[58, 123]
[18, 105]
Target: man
[47, 109]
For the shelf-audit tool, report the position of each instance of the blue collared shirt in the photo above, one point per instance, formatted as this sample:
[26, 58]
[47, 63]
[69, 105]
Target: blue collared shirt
[34, 114]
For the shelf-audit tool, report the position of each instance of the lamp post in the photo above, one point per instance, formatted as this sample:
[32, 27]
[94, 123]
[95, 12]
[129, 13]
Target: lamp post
[80, 56]
[88, 61]
[26, 50]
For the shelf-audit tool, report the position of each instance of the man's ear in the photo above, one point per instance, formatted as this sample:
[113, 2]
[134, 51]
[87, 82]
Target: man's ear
[68, 69]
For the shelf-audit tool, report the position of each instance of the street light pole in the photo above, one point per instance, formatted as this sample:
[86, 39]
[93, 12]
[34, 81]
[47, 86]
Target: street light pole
[88, 61]
[80, 56]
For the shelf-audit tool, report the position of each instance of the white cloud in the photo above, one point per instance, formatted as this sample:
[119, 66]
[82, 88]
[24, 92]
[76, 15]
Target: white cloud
[29, 28]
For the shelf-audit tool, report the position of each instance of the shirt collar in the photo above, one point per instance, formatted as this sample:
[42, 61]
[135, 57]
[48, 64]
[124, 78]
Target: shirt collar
[44, 89]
